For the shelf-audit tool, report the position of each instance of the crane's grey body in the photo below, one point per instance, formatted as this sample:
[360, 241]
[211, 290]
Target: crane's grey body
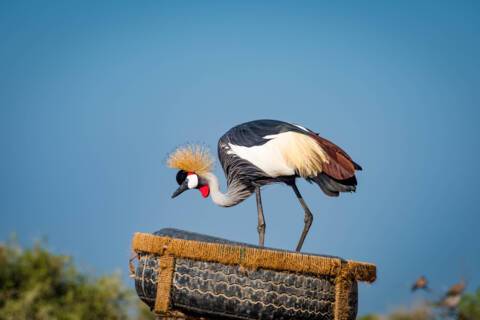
[250, 134]
[245, 176]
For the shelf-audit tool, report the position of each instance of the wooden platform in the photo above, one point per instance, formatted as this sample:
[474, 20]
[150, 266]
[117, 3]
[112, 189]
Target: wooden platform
[184, 275]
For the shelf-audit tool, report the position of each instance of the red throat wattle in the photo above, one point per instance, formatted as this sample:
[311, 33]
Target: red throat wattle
[204, 190]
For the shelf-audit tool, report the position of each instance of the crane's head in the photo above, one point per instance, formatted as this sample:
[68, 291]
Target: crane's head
[190, 180]
[193, 161]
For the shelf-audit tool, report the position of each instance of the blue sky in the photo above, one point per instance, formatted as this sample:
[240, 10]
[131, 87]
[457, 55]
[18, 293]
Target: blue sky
[93, 96]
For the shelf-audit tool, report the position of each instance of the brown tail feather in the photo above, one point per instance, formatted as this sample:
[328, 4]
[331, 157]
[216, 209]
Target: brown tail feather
[340, 166]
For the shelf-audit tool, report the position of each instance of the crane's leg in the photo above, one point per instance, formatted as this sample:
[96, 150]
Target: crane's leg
[261, 219]
[308, 217]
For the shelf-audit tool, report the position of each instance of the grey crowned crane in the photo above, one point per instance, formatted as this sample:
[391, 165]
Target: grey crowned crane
[262, 152]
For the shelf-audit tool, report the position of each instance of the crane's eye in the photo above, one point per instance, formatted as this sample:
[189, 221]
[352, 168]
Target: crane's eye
[181, 176]
[192, 181]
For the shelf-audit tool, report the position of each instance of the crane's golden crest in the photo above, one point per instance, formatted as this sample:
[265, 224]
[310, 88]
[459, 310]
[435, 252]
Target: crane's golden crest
[191, 158]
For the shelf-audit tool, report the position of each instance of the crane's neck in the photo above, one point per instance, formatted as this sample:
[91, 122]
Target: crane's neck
[235, 194]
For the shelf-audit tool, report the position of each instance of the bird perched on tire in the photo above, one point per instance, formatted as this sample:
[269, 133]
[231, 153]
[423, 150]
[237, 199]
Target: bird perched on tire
[261, 152]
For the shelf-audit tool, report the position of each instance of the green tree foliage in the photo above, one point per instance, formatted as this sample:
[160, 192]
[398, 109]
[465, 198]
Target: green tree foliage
[36, 284]
[469, 308]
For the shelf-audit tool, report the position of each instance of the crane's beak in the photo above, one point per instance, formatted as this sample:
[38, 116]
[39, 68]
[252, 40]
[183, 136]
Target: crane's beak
[183, 187]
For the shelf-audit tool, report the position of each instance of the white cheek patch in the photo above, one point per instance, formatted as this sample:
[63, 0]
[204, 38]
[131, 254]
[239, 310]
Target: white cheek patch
[192, 181]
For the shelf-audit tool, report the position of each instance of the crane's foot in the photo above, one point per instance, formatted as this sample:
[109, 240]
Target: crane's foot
[308, 217]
